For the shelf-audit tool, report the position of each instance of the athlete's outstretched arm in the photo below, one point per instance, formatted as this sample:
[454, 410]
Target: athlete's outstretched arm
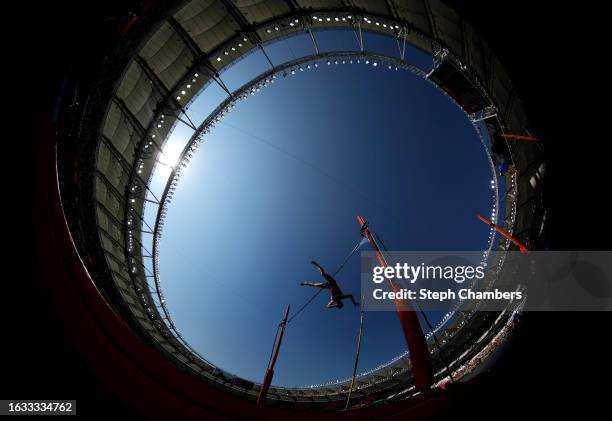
[313, 284]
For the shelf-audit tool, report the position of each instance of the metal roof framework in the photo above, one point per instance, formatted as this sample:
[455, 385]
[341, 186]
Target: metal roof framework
[154, 76]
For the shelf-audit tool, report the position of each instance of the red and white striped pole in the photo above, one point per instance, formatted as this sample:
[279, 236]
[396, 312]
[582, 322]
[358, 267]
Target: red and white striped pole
[415, 339]
[505, 234]
[265, 386]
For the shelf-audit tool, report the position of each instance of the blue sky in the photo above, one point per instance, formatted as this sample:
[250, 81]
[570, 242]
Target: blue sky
[280, 181]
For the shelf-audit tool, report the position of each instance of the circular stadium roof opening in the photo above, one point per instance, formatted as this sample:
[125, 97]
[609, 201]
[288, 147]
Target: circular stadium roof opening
[303, 153]
[147, 95]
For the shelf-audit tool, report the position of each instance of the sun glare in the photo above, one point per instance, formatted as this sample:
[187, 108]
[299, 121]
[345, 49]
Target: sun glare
[171, 154]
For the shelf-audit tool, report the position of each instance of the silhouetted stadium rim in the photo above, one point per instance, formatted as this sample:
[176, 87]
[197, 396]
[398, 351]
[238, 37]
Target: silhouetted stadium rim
[96, 218]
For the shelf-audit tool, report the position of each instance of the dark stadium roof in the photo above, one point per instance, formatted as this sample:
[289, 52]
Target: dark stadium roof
[142, 93]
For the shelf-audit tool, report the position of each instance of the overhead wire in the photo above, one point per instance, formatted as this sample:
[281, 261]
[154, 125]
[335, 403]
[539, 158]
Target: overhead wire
[317, 169]
[346, 259]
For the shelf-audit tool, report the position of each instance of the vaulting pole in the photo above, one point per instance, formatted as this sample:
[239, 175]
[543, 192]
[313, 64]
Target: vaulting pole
[415, 339]
[505, 234]
[270, 371]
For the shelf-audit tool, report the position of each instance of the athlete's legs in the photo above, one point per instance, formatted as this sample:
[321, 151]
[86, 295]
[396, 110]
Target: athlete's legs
[333, 303]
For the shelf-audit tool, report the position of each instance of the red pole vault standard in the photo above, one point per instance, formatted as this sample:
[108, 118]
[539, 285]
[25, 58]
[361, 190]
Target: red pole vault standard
[419, 354]
[270, 371]
[516, 137]
[505, 234]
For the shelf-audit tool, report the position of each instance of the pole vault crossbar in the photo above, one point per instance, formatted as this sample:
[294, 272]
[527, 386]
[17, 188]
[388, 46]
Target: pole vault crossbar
[422, 369]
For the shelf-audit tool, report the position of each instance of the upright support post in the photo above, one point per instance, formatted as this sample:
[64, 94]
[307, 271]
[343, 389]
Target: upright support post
[415, 339]
[270, 371]
[308, 29]
[358, 34]
[505, 234]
